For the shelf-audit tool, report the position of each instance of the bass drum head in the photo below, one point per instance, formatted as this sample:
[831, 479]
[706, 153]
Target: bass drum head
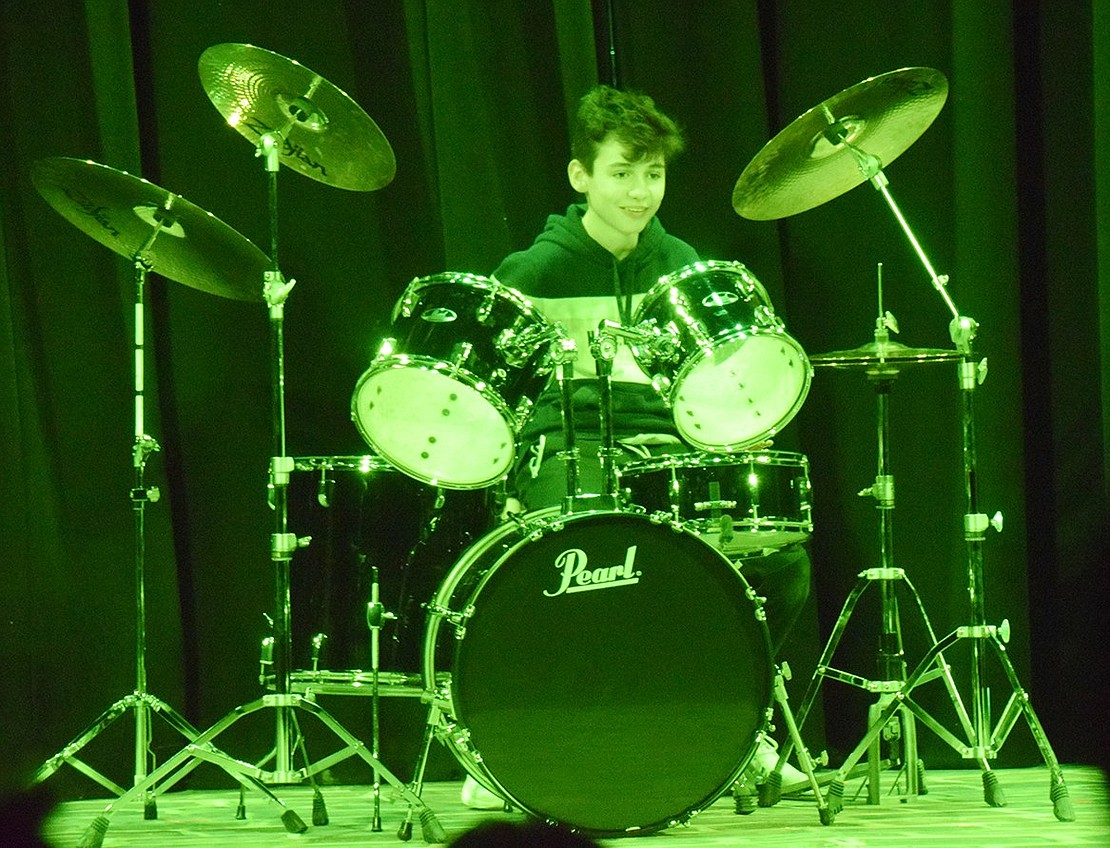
[614, 675]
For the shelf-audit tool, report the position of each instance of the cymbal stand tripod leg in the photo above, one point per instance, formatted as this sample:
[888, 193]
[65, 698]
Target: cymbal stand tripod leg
[140, 702]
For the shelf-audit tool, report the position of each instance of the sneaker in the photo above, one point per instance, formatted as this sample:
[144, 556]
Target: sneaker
[765, 758]
[477, 797]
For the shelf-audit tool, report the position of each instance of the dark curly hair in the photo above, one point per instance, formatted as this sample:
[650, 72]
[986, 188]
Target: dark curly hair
[632, 118]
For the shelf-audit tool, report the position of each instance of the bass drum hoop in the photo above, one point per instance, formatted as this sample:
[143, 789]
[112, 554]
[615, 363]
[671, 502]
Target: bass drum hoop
[456, 603]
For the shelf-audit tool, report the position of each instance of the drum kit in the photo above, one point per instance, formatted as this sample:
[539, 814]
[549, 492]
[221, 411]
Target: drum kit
[640, 681]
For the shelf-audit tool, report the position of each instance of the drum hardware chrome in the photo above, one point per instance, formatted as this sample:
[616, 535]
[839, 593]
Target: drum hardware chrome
[485, 309]
[456, 619]
[318, 641]
[523, 408]
[704, 506]
[603, 347]
[860, 130]
[376, 616]
[459, 355]
[516, 346]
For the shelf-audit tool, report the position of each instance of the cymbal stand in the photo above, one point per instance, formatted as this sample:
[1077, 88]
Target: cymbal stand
[284, 702]
[981, 742]
[140, 701]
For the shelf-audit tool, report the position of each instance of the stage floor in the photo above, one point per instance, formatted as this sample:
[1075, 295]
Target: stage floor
[952, 813]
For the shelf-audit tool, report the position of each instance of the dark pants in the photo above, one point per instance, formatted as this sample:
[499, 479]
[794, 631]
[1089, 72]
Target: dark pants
[782, 576]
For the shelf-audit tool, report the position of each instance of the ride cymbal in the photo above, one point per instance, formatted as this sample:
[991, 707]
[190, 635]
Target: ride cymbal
[123, 212]
[817, 157]
[324, 134]
[876, 353]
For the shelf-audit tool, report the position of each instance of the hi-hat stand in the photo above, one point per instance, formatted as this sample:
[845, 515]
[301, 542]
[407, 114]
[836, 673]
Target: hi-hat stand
[883, 361]
[140, 702]
[981, 741]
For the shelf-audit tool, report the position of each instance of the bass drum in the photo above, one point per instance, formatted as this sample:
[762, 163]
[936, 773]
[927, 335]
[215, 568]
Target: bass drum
[607, 672]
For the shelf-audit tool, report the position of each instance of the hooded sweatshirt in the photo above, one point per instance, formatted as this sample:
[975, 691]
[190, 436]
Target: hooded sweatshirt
[574, 281]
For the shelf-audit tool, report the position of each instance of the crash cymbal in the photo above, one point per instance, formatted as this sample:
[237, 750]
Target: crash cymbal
[880, 353]
[325, 134]
[122, 212]
[812, 160]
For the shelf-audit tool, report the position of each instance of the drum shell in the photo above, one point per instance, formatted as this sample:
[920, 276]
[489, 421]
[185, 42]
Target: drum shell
[359, 513]
[486, 338]
[710, 313]
[623, 707]
[764, 496]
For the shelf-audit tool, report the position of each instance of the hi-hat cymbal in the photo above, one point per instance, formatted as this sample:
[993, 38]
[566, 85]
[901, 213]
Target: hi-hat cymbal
[882, 353]
[812, 160]
[122, 212]
[324, 134]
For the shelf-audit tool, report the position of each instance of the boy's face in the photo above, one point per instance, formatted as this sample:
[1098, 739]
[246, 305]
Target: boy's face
[622, 196]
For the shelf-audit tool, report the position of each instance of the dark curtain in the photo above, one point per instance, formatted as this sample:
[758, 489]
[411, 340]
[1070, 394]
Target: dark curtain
[1006, 192]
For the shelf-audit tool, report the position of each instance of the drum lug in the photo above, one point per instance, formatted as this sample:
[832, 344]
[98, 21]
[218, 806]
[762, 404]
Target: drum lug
[485, 309]
[517, 347]
[460, 354]
[455, 619]
[766, 315]
[386, 348]
[523, 409]
[662, 384]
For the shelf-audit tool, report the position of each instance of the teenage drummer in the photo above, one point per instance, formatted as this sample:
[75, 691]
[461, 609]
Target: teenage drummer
[595, 262]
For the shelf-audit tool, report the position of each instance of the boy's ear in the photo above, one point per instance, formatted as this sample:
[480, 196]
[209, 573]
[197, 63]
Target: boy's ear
[576, 173]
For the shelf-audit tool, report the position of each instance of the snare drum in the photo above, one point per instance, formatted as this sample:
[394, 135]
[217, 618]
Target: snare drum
[739, 503]
[730, 372]
[448, 392]
[608, 671]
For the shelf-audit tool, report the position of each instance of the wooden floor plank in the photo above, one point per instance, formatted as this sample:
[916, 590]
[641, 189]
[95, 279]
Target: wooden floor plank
[951, 814]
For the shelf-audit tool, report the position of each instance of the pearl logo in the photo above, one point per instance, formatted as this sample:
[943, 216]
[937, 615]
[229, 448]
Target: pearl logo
[577, 576]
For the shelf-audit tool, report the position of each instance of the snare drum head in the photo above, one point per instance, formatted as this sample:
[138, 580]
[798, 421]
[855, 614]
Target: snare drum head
[614, 674]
